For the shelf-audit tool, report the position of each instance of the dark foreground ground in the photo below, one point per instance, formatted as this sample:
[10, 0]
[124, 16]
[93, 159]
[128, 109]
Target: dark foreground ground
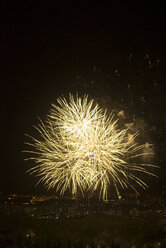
[87, 231]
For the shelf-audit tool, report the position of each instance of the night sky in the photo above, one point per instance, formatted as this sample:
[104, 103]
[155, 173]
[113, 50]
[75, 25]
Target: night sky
[115, 53]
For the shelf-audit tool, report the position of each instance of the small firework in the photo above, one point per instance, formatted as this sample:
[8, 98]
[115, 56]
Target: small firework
[81, 149]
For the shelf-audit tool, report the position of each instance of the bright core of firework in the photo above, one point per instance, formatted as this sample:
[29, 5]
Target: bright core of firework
[81, 149]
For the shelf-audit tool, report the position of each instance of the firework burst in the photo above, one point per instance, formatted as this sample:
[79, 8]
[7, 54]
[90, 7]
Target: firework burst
[81, 149]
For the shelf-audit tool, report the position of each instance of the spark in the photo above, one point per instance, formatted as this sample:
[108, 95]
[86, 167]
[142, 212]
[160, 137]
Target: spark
[82, 149]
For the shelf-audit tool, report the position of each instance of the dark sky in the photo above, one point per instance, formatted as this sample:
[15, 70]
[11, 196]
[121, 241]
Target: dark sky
[115, 53]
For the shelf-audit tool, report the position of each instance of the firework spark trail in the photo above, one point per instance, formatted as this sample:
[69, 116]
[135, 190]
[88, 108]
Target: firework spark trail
[81, 149]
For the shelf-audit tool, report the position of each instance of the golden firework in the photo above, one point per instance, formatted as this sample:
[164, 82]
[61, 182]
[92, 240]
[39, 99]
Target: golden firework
[81, 149]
